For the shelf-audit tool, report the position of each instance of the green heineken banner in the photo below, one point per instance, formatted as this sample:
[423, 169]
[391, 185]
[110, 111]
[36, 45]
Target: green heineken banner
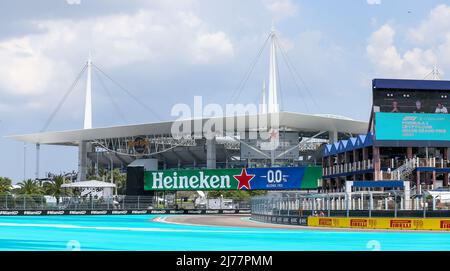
[234, 179]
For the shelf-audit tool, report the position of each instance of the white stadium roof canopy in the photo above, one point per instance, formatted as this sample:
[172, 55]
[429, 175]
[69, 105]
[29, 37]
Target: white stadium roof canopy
[287, 120]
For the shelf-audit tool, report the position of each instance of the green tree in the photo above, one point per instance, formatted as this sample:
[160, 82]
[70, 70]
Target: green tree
[119, 178]
[31, 194]
[29, 187]
[53, 188]
[5, 185]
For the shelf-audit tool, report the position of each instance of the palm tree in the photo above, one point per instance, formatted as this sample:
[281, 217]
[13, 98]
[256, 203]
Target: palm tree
[120, 179]
[5, 185]
[31, 194]
[53, 188]
[29, 187]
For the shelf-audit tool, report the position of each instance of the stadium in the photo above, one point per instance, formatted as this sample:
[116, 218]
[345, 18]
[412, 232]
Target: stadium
[154, 147]
[389, 172]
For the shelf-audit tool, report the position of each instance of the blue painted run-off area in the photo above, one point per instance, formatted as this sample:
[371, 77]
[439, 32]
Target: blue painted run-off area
[139, 232]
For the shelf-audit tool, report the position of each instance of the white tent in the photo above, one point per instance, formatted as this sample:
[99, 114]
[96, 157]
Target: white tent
[89, 184]
[93, 187]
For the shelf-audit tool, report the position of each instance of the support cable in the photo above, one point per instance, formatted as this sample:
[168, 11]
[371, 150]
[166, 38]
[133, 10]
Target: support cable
[108, 93]
[128, 92]
[237, 92]
[281, 102]
[293, 78]
[64, 98]
[294, 73]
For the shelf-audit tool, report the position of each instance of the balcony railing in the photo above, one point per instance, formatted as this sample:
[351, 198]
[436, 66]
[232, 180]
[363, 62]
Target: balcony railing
[348, 167]
[390, 164]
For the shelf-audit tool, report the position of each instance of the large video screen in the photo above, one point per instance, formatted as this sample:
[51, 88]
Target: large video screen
[412, 126]
[412, 101]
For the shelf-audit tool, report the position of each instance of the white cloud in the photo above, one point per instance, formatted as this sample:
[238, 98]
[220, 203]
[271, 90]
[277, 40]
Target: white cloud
[281, 8]
[208, 44]
[43, 63]
[388, 61]
[427, 44]
[433, 28]
[22, 68]
[374, 2]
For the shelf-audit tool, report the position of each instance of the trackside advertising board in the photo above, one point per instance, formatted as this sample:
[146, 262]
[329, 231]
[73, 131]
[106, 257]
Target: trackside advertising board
[401, 223]
[234, 179]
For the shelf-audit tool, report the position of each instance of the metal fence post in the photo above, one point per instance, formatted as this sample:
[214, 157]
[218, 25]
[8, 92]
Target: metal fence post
[280, 203]
[24, 202]
[395, 205]
[328, 205]
[138, 202]
[288, 206]
[424, 207]
[347, 205]
[370, 204]
[6, 201]
[264, 206]
[253, 207]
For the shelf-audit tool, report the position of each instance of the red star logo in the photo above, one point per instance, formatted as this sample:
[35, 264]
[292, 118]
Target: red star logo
[273, 134]
[244, 179]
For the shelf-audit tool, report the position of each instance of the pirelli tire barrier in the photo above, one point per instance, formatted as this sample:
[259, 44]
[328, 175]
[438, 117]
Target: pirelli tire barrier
[366, 213]
[122, 212]
[403, 223]
[281, 219]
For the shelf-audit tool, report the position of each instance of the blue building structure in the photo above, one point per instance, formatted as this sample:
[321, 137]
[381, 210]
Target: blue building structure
[408, 138]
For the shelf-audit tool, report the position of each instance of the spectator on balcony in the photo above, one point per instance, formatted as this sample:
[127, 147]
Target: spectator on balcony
[418, 108]
[441, 109]
[395, 107]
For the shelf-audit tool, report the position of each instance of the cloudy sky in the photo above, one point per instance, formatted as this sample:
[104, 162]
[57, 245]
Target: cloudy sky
[166, 52]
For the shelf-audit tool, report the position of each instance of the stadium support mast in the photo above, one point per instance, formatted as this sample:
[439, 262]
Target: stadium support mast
[436, 75]
[24, 161]
[38, 158]
[273, 106]
[83, 145]
[88, 101]
[263, 109]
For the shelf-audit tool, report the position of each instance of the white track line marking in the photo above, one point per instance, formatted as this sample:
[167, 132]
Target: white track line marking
[318, 230]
